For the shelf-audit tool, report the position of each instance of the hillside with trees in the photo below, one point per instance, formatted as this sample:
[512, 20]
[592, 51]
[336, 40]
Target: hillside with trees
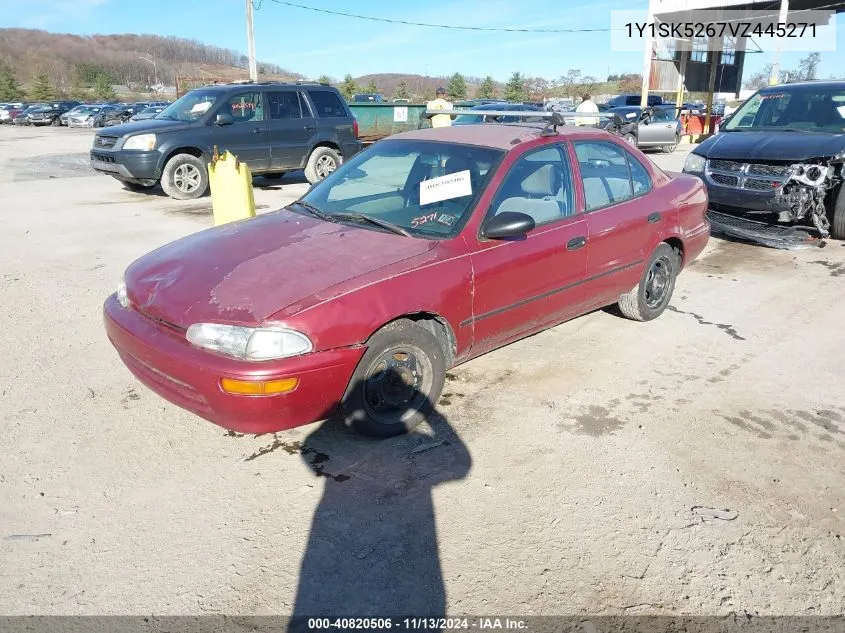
[60, 64]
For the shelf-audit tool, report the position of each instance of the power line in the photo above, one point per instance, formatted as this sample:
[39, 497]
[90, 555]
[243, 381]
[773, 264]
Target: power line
[436, 26]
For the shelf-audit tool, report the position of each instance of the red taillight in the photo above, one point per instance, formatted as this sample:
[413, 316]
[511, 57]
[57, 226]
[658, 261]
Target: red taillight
[355, 127]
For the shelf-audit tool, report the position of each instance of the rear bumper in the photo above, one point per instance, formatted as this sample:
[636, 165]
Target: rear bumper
[695, 242]
[189, 377]
[140, 166]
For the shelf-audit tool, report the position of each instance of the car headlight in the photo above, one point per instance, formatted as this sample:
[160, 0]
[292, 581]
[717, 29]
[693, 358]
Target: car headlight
[694, 163]
[122, 296]
[249, 343]
[141, 141]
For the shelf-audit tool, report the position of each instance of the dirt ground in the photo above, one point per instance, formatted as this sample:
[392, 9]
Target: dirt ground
[690, 465]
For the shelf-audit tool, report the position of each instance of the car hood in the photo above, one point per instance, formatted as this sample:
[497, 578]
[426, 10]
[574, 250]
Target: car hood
[150, 125]
[244, 272]
[771, 145]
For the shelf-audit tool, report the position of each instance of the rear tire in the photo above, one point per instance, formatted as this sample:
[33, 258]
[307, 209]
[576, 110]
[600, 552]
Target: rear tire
[653, 293]
[397, 381]
[184, 177]
[322, 162]
[837, 221]
[668, 149]
[630, 139]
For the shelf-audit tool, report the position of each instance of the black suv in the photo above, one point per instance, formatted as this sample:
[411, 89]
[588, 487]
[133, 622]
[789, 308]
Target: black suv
[779, 159]
[272, 127]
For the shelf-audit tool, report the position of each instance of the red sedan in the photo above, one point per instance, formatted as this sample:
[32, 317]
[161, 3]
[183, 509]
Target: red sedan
[419, 253]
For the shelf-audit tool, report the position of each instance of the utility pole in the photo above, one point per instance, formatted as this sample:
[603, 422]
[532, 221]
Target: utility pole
[649, 43]
[250, 37]
[774, 78]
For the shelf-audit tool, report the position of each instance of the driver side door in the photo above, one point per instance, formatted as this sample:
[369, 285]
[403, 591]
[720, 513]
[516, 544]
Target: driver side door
[248, 137]
[524, 284]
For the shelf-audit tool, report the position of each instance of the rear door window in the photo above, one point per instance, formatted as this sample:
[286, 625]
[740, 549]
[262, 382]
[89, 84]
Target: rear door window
[327, 104]
[285, 105]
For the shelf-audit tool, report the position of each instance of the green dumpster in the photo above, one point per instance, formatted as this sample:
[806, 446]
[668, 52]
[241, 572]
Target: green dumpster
[378, 120]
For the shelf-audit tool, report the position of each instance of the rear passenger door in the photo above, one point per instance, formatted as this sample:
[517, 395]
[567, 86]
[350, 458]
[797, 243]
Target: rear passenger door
[334, 120]
[292, 129]
[247, 137]
[619, 222]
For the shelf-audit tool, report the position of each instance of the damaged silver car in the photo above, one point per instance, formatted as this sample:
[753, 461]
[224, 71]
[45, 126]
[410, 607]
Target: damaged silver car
[775, 170]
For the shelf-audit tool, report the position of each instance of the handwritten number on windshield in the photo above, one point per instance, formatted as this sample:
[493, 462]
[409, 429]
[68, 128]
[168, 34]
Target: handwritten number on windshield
[419, 221]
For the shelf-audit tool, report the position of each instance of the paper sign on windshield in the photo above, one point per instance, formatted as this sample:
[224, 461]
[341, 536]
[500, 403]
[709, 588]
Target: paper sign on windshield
[445, 187]
[200, 107]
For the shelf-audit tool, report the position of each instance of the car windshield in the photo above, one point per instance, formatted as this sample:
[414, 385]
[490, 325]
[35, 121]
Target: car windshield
[811, 108]
[425, 188]
[191, 106]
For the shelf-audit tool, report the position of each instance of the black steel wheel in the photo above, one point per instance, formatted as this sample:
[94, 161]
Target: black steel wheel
[397, 381]
[653, 293]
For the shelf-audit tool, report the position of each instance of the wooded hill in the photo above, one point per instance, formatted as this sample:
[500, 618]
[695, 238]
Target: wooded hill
[74, 60]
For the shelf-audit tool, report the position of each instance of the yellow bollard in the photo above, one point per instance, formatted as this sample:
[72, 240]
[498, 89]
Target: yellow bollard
[231, 188]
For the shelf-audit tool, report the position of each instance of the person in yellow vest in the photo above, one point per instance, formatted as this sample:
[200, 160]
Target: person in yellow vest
[440, 103]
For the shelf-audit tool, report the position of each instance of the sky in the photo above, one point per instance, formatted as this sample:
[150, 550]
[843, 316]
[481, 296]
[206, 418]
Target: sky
[316, 43]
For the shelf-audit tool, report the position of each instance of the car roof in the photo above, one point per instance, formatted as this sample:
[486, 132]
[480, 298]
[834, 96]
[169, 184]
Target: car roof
[832, 83]
[504, 136]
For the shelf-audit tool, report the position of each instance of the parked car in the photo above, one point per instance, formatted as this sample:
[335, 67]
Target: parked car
[649, 127]
[427, 249]
[468, 119]
[147, 113]
[86, 115]
[116, 115]
[11, 110]
[633, 100]
[778, 162]
[22, 117]
[368, 98]
[64, 118]
[273, 127]
[50, 113]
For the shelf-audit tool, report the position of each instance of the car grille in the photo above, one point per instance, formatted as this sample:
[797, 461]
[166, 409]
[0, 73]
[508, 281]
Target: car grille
[749, 176]
[103, 159]
[105, 141]
[725, 180]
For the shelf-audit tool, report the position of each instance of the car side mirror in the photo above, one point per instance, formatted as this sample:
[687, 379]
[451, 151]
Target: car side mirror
[224, 119]
[507, 224]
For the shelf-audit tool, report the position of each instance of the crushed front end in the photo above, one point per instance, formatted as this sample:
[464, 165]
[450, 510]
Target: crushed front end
[780, 204]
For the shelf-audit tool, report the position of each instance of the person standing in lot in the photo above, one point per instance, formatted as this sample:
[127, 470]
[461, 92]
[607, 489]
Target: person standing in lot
[587, 105]
[440, 103]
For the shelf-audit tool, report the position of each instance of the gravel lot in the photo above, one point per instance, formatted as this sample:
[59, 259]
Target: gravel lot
[580, 472]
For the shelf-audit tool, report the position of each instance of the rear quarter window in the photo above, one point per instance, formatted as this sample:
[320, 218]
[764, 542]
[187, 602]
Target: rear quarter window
[327, 104]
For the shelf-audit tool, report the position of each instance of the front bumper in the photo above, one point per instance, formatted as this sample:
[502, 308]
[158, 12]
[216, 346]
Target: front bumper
[189, 377]
[763, 233]
[129, 165]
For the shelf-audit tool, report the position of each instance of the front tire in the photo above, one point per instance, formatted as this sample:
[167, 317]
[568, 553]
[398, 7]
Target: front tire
[630, 139]
[837, 221]
[184, 177]
[322, 162]
[397, 381]
[653, 293]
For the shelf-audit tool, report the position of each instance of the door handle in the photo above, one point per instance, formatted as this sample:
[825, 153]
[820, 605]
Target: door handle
[310, 128]
[654, 218]
[257, 130]
[575, 243]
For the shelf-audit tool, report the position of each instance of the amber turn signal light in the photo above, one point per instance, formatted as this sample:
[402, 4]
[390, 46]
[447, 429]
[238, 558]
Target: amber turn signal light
[258, 387]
